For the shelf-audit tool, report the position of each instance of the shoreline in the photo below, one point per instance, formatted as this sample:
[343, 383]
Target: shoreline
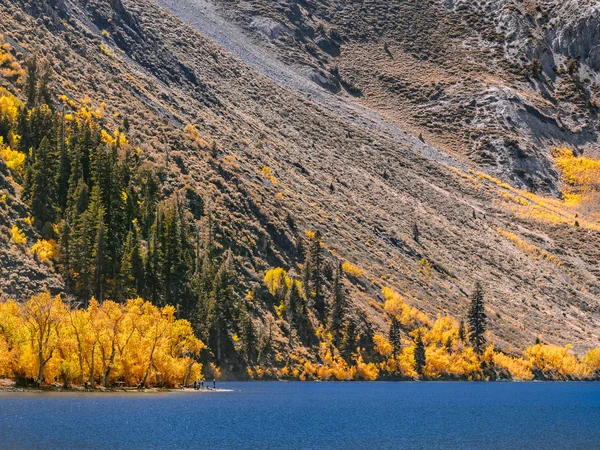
[53, 389]
[11, 387]
[57, 390]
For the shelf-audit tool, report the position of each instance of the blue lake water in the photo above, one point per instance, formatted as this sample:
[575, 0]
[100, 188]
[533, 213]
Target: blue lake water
[273, 415]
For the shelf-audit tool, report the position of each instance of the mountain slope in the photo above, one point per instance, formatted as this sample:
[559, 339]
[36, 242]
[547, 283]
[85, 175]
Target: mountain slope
[350, 172]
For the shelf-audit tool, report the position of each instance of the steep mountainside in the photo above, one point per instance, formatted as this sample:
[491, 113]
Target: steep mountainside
[499, 82]
[316, 111]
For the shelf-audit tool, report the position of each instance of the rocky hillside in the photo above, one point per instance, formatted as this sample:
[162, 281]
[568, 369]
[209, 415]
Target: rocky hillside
[415, 136]
[498, 82]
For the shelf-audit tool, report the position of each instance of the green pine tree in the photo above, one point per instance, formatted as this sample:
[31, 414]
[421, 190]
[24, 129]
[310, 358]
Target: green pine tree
[462, 333]
[222, 297]
[395, 336]
[349, 342]
[293, 303]
[477, 320]
[419, 354]
[43, 186]
[314, 275]
[337, 310]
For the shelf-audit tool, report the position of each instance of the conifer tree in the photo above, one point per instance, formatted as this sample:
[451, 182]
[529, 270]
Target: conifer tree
[292, 305]
[300, 248]
[203, 314]
[395, 336]
[175, 261]
[43, 89]
[43, 186]
[31, 67]
[419, 353]
[99, 253]
[248, 334]
[462, 333]
[64, 169]
[82, 251]
[349, 344]
[64, 251]
[152, 280]
[477, 320]
[337, 310]
[132, 268]
[222, 299]
[314, 275]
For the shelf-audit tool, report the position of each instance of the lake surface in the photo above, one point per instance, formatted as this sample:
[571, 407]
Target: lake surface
[273, 415]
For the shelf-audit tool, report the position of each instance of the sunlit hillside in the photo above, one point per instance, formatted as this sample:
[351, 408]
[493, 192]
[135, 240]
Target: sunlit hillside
[314, 196]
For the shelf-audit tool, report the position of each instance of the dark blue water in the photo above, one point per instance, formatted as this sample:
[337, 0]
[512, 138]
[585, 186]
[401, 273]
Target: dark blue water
[312, 415]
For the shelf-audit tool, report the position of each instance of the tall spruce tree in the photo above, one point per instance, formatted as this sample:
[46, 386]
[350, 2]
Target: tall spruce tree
[99, 254]
[222, 297]
[419, 354]
[349, 342]
[64, 168]
[395, 336]
[462, 332]
[31, 69]
[477, 320]
[337, 310]
[293, 303]
[314, 274]
[132, 268]
[248, 335]
[43, 186]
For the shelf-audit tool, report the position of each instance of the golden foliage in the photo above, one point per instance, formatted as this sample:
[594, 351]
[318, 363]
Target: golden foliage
[17, 235]
[352, 270]
[118, 139]
[310, 234]
[409, 317]
[530, 249]
[191, 131]
[137, 343]
[14, 160]
[424, 268]
[106, 50]
[9, 67]
[44, 250]
[9, 106]
[277, 281]
[268, 174]
[554, 362]
[579, 173]
[518, 368]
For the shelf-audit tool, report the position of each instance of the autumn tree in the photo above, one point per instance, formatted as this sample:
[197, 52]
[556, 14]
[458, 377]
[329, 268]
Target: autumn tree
[44, 319]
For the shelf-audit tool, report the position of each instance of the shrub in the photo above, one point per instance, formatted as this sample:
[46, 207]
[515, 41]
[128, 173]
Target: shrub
[44, 250]
[18, 236]
[352, 270]
[14, 160]
[268, 174]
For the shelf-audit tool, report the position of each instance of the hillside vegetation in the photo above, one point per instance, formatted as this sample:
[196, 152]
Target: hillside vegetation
[299, 237]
